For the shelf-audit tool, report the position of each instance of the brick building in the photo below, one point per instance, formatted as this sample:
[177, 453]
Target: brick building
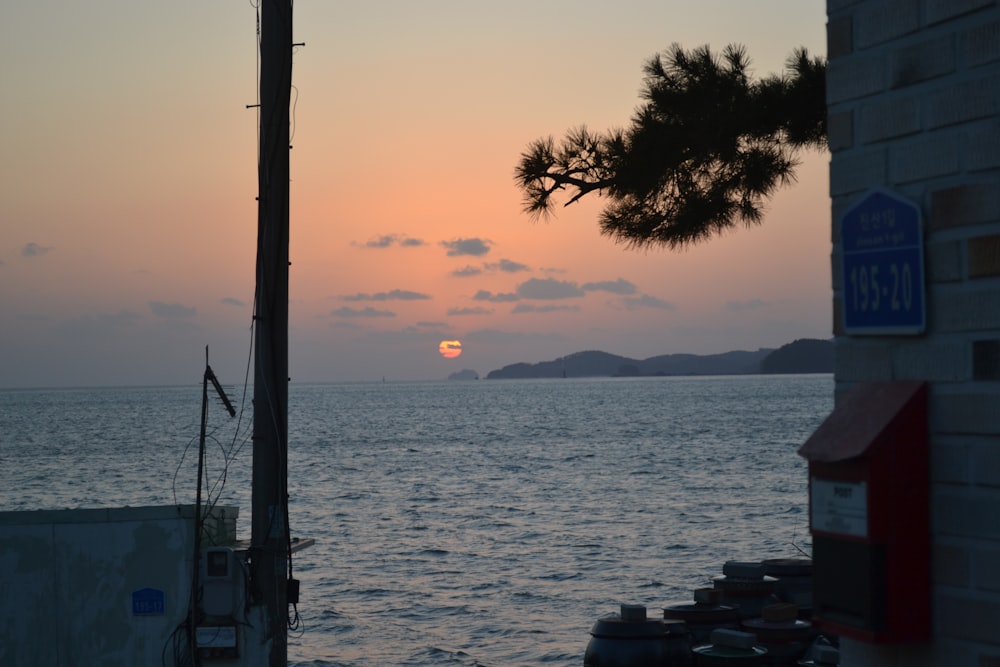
[913, 92]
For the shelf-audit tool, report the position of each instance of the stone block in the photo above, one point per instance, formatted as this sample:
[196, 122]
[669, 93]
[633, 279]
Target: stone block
[982, 149]
[943, 10]
[879, 22]
[838, 317]
[943, 261]
[986, 463]
[859, 360]
[951, 461]
[967, 513]
[962, 102]
[896, 117]
[922, 61]
[951, 566]
[969, 618]
[918, 359]
[982, 44]
[985, 566]
[922, 159]
[839, 37]
[855, 77]
[986, 360]
[965, 310]
[983, 254]
[969, 414]
[840, 130]
[970, 204]
[857, 171]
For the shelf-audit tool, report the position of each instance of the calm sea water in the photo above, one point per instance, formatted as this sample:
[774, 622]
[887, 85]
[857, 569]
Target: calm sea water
[460, 523]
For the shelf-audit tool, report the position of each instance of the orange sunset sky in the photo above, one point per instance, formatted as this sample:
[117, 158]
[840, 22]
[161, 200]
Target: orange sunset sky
[129, 176]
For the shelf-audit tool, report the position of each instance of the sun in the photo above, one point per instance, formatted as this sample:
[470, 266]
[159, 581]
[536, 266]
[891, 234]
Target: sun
[450, 349]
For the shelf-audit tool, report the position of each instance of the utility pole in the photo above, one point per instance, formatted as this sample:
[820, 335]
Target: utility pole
[269, 543]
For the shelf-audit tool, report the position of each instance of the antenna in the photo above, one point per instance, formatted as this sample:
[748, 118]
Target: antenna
[210, 376]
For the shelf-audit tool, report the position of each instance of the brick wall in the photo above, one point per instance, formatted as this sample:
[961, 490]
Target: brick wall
[913, 89]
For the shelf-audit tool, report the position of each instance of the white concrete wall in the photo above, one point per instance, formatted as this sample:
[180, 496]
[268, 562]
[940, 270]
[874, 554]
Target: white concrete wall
[67, 579]
[913, 91]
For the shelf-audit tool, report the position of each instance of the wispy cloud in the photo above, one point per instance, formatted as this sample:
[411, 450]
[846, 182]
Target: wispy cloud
[620, 286]
[498, 337]
[34, 250]
[548, 288]
[392, 295]
[347, 311]
[232, 301]
[466, 247]
[475, 310]
[171, 311]
[486, 295]
[390, 240]
[546, 308]
[647, 301]
[467, 272]
[507, 266]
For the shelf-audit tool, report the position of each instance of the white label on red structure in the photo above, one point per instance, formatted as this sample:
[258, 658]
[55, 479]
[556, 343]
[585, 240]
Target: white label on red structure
[839, 507]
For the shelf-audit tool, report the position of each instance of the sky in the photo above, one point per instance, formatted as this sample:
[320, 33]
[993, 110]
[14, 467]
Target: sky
[128, 178]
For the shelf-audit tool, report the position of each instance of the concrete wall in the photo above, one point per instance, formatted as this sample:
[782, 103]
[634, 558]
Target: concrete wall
[67, 581]
[913, 90]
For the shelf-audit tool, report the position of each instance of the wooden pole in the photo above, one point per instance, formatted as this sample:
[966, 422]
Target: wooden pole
[269, 504]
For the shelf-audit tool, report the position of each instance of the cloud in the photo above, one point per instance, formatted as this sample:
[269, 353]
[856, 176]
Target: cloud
[232, 301]
[467, 272]
[392, 295]
[547, 308]
[34, 250]
[470, 311]
[464, 247]
[548, 288]
[743, 306]
[381, 241]
[431, 325]
[647, 301]
[498, 337]
[507, 266]
[504, 265]
[620, 286]
[171, 311]
[361, 312]
[389, 240]
[486, 295]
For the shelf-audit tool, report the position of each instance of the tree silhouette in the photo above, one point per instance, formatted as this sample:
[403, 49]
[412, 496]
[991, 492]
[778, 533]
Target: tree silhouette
[703, 153]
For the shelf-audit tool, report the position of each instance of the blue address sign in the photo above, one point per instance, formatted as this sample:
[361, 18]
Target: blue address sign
[148, 602]
[882, 247]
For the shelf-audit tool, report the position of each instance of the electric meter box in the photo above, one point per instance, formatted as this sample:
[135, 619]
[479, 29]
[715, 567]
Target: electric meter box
[218, 581]
[869, 515]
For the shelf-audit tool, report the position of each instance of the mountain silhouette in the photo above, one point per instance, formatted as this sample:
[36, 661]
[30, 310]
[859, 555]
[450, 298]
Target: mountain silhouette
[801, 356]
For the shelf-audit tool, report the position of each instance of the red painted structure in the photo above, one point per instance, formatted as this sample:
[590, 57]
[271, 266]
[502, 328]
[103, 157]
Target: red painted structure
[869, 515]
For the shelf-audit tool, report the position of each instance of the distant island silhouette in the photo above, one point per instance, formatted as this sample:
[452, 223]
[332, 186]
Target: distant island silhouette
[806, 355]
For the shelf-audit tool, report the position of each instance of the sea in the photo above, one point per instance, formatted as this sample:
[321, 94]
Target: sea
[475, 523]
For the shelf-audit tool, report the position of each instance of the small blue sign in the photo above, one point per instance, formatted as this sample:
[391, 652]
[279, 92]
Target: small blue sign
[148, 602]
[882, 247]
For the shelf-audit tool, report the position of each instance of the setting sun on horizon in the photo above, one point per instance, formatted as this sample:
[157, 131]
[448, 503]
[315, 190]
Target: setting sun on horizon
[128, 193]
[450, 349]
